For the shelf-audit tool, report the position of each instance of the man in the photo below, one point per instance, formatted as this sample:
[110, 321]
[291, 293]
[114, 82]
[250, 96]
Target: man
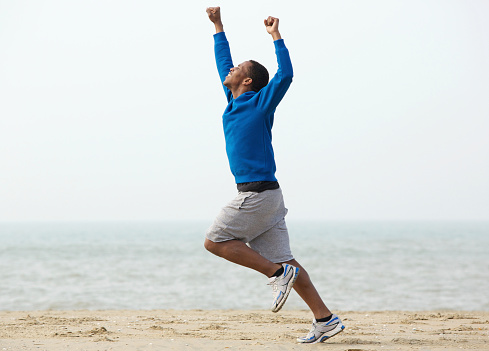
[250, 230]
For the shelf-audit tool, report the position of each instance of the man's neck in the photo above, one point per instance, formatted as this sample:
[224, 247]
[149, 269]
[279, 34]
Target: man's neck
[238, 91]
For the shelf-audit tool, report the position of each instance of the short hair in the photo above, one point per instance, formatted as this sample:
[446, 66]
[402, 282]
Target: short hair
[259, 76]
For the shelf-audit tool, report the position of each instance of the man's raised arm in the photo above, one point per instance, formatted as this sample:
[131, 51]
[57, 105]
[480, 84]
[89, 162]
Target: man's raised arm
[214, 14]
[274, 91]
[222, 52]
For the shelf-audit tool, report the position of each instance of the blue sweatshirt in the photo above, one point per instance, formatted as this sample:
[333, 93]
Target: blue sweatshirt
[248, 120]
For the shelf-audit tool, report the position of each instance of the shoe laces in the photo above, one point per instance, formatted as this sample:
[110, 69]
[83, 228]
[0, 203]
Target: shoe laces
[273, 284]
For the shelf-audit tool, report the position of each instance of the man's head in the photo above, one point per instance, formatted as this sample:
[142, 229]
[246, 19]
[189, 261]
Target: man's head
[258, 74]
[249, 76]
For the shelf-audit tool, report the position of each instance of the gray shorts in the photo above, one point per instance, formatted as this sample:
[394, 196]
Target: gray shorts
[257, 219]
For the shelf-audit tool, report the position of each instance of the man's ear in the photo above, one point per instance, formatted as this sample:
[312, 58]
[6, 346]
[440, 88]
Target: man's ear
[247, 81]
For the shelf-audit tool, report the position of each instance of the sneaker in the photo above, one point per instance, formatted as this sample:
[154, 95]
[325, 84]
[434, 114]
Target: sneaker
[282, 285]
[322, 331]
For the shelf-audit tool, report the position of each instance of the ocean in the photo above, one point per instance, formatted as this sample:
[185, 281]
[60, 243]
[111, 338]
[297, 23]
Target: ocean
[163, 265]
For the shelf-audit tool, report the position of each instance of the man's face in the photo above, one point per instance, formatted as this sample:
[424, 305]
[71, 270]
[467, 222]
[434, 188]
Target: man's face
[237, 75]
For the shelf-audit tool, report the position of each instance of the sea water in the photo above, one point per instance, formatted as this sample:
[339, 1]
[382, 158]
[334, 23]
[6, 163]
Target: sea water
[142, 265]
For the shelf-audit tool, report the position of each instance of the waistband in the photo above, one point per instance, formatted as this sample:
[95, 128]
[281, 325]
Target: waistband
[258, 187]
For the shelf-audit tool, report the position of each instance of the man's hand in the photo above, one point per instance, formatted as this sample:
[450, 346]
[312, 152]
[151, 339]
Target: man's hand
[271, 23]
[214, 14]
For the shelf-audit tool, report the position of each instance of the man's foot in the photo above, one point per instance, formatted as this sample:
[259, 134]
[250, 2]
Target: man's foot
[282, 285]
[322, 331]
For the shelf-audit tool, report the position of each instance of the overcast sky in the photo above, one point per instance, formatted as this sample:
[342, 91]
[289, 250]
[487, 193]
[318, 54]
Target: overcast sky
[111, 110]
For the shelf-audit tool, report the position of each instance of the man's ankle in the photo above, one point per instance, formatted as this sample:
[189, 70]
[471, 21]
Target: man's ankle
[325, 319]
[278, 272]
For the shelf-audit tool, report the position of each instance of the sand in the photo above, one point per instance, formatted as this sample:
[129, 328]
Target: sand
[238, 330]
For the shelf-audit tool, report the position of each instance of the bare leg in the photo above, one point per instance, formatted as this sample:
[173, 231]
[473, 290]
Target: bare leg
[238, 252]
[306, 290]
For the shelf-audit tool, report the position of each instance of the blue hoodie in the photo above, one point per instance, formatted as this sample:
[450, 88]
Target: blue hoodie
[248, 120]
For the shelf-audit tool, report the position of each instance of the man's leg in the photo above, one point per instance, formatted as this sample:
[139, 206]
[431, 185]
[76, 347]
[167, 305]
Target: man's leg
[281, 278]
[247, 217]
[326, 324]
[306, 290]
[238, 252]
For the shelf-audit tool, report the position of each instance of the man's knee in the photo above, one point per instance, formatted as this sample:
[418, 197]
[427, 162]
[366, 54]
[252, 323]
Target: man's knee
[220, 248]
[210, 246]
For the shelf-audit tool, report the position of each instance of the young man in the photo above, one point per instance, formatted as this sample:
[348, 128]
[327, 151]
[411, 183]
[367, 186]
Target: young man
[250, 230]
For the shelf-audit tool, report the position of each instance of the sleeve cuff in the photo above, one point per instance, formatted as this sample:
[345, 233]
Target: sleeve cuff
[279, 44]
[220, 37]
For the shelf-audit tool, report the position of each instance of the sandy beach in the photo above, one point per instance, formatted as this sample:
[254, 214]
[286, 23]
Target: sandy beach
[238, 330]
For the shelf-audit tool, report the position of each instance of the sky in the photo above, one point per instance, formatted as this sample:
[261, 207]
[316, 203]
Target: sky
[111, 110]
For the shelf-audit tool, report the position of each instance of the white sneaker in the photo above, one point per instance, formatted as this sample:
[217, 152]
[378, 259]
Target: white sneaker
[282, 285]
[322, 331]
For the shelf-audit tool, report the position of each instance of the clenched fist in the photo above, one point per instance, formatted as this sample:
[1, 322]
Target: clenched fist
[271, 23]
[214, 14]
